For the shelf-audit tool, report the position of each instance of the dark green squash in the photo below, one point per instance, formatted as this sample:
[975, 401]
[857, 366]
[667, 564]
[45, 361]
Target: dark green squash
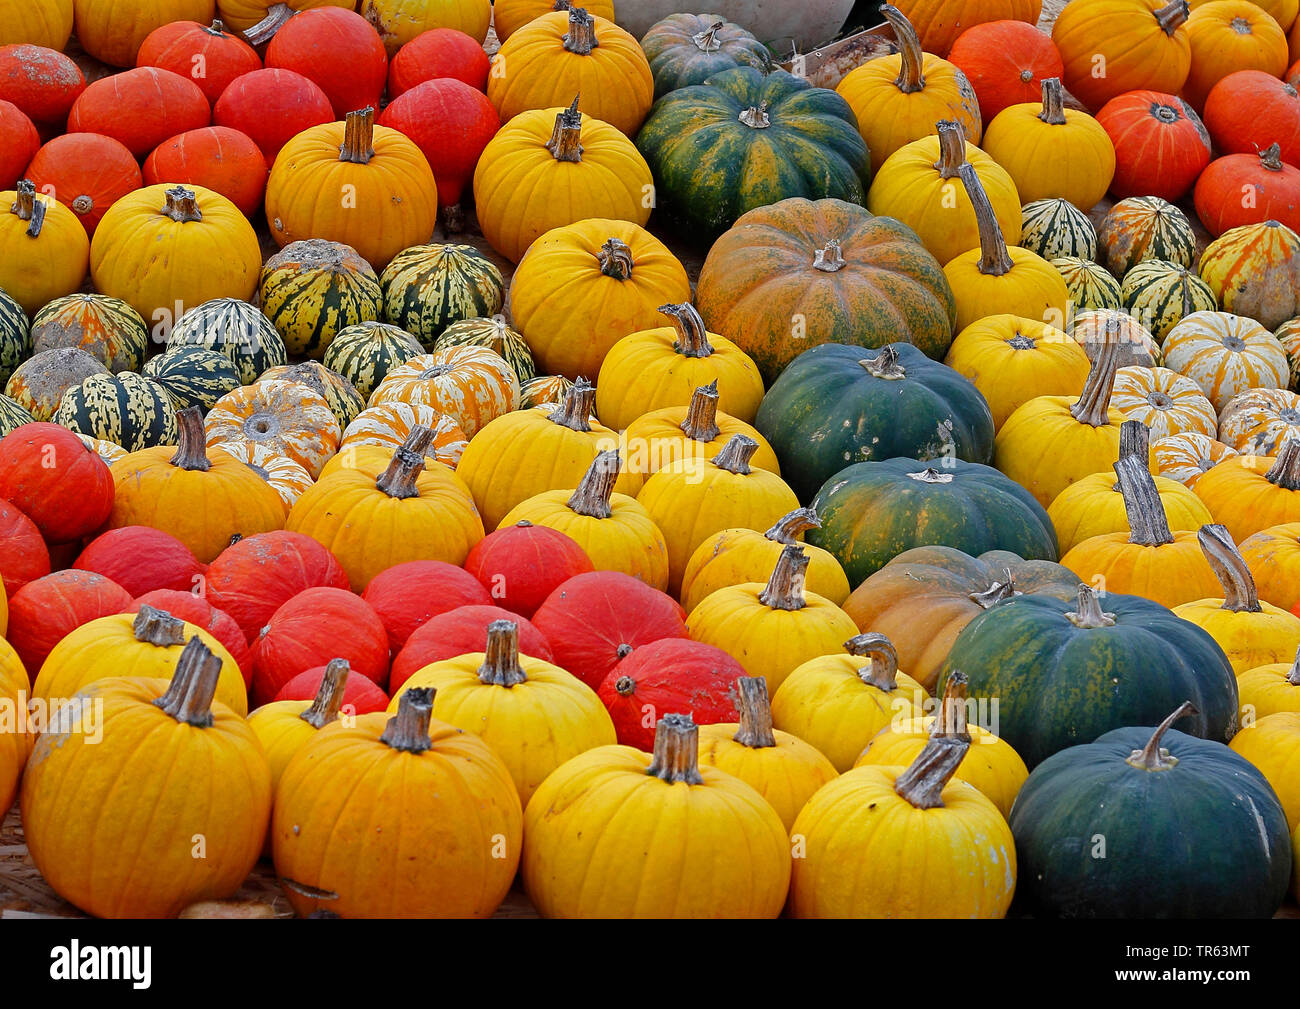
[1159, 294]
[238, 330]
[836, 405]
[1150, 823]
[743, 140]
[15, 339]
[342, 396]
[12, 416]
[313, 289]
[497, 337]
[1055, 228]
[106, 328]
[872, 511]
[1065, 673]
[126, 409]
[193, 376]
[364, 354]
[686, 49]
[1090, 285]
[428, 287]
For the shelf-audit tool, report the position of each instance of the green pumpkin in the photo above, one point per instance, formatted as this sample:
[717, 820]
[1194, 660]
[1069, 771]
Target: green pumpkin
[12, 416]
[836, 405]
[106, 328]
[312, 290]
[872, 511]
[236, 329]
[1159, 294]
[193, 376]
[743, 140]
[1090, 285]
[1055, 228]
[364, 354]
[15, 340]
[686, 49]
[1144, 227]
[126, 409]
[342, 396]
[1065, 673]
[543, 389]
[1190, 830]
[428, 287]
[38, 384]
[497, 337]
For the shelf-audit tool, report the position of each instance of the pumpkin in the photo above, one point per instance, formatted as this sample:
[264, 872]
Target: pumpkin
[399, 22]
[898, 98]
[337, 50]
[428, 287]
[1145, 227]
[13, 750]
[25, 143]
[521, 564]
[1107, 661]
[1269, 556]
[1243, 189]
[286, 477]
[496, 336]
[459, 631]
[732, 860]
[272, 106]
[1253, 271]
[1006, 356]
[143, 560]
[85, 172]
[1152, 778]
[1228, 36]
[509, 16]
[1006, 62]
[1271, 746]
[1163, 400]
[114, 34]
[46, 609]
[15, 340]
[23, 554]
[1160, 144]
[1055, 228]
[686, 49]
[193, 376]
[801, 273]
[471, 384]
[105, 327]
[940, 22]
[919, 185]
[45, 24]
[1137, 44]
[1267, 690]
[1094, 330]
[55, 481]
[1257, 421]
[1274, 118]
[38, 384]
[1282, 11]
[449, 784]
[945, 822]
[1248, 493]
[215, 157]
[343, 399]
[259, 20]
[283, 727]
[291, 418]
[13, 416]
[542, 390]
[407, 595]
[390, 424]
[1226, 354]
[211, 56]
[127, 409]
[1090, 285]
[185, 605]
[140, 108]
[836, 405]
[1160, 295]
[43, 248]
[614, 531]
[215, 785]
[312, 290]
[236, 329]
[526, 182]
[698, 141]
[439, 52]
[365, 352]
[426, 514]
[582, 287]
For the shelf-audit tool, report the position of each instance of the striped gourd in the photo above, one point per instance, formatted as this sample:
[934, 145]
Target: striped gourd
[496, 336]
[390, 424]
[235, 328]
[287, 477]
[1165, 401]
[342, 396]
[543, 389]
[1186, 457]
[1225, 355]
[1159, 294]
[126, 409]
[106, 328]
[1091, 286]
[314, 289]
[1257, 421]
[1055, 228]
[1145, 227]
[39, 383]
[1255, 271]
[12, 416]
[1288, 335]
[289, 418]
[428, 287]
[193, 376]
[106, 450]
[473, 385]
[364, 354]
[15, 342]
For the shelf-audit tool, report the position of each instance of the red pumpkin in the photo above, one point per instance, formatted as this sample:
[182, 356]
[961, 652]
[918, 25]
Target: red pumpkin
[670, 676]
[1248, 189]
[596, 620]
[201, 613]
[272, 106]
[42, 82]
[1006, 63]
[310, 629]
[45, 611]
[1161, 145]
[209, 55]
[442, 52]
[217, 158]
[87, 173]
[339, 50]
[254, 577]
[59, 483]
[522, 564]
[142, 559]
[407, 595]
[140, 107]
[360, 695]
[23, 554]
[1274, 116]
[19, 146]
[459, 632]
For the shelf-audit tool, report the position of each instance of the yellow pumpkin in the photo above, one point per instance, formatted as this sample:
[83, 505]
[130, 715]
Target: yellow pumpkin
[1187, 457]
[508, 16]
[400, 21]
[42, 255]
[1248, 493]
[472, 385]
[113, 32]
[285, 727]
[1266, 690]
[1166, 402]
[46, 24]
[14, 691]
[1272, 744]
[1227, 36]
[1226, 354]
[1273, 556]
[1257, 421]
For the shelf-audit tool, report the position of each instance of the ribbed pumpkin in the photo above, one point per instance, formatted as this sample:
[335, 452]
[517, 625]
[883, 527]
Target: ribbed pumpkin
[43, 24]
[1090, 285]
[521, 564]
[365, 352]
[940, 22]
[471, 384]
[542, 390]
[23, 554]
[1254, 270]
[211, 56]
[390, 424]
[24, 143]
[1267, 690]
[313, 289]
[1166, 402]
[109, 329]
[1271, 555]
[285, 476]
[289, 417]
[408, 595]
[509, 16]
[1274, 118]
[236, 329]
[1226, 354]
[343, 399]
[686, 49]
[428, 287]
[15, 340]
[1006, 62]
[1257, 421]
[1055, 228]
[13, 416]
[285, 727]
[1145, 227]
[460, 631]
[1228, 36]
[193, 376]
[216, 157]
[127, 409]
[14, 687]
[1248, 493]
[87, 173]
[1159, 295]
[38, 384]
[140, 108]
[339, 51]
[46, 609]
[439, 52]
[399, 22]
[899, 98]
[1243, 189]
[114, 34]
[1161, 145]
[43, 248]
[185, 605]
[1272, 745]
[272, 107]
[144, 560]
[497, 337]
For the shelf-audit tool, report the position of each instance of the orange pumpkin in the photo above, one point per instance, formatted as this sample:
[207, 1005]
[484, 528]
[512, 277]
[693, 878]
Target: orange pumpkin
[288, 417]
[1227, 36]
[473, 385]
[1248, 493]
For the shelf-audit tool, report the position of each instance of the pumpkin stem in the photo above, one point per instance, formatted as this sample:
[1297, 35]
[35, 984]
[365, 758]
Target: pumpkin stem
[193, 686]
[755, 709]
[218, 27]
[951, 722]
[995, 260]
[1172, 17]
[191, 441]
[576, 410]
[158, 627]
[399, 479]
[28, 208]
[1153, 756]
[784, 590]
[329, 696]
[1147, 522]
[885, 364]
[358, 145]
[625, 686]
[910, 72]
[501, 666]
[707, 41]
[1093, 405]
[1088, 613]
[735, 455]
[756, 117]
[581, 37]
[1135, 441]
[882, 672]
[829, 258]
[1271, 157]
[1053, 113]
[1293, 677]
[408, 730]
[1239, 593]
[677, 751]
[952, 148]
[793, 523]
[593, 493]
[564, 144]
[692, 338]
[922, 784]
[615, 259]
[997, 592]
[181, 206]
[1285, 471]
[930, 475]
[276, 17]
[701, 423]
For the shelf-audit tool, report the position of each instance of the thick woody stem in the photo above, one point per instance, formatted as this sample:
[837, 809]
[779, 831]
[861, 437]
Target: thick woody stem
[1053, 113]
[829, 258]
[784, 590]
[882, 672]
[707, 41]
[564, 144]
[997, 592]
[1154, 757]
[885, 364]
[329, 696]
[1135, 441]
[576, 410]
[28, 208]
[218, 27]
[755, 710]
[1239, 593]
[1148, 525]
[615, 259]
[158, 627]
[701, 423]
[922, 784]
[951, 721]
[400, 478]
[191, 441]
[735, 455]
[276, 17]
[791, 524]
[692, 338]
[995, 260]
[1173, 16]
[181, 206]
[593, 493]
[501, 666]
[1285, 471]
[910, 77]
[408, 730]
[677, 751]
[581, 37]
[193, 686]
[952, 148]
[358, 145]
[1093, 405]
[1087, 612]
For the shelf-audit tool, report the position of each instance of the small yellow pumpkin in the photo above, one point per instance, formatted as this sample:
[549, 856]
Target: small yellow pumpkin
[1273, 556]
[44, 250]
[1266, 690]
[1272, 744]
[1248, 493]
[285, 727]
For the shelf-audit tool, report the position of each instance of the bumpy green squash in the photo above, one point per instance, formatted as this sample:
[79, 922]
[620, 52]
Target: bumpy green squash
[428, 287]
[313, 289]
[236, 329]
[193, 376]
[126, 409]
[686, 49]
[364, 354]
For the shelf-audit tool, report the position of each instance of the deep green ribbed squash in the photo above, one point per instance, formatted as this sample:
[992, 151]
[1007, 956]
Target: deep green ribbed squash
[1090, 285]
[1150, 823]
[126, 409]
[428, 287]
[312, 290]
[743, 140]
[686, 49]
[364, 354]
[836, 405]
[1055, 228]
[497, 337]
[342, 396]
[1159, 294]
[107, 328]
[236, 329]
[193, 376]
[12, 416]
[15, 342]
[872, 511]
[1065, 673]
